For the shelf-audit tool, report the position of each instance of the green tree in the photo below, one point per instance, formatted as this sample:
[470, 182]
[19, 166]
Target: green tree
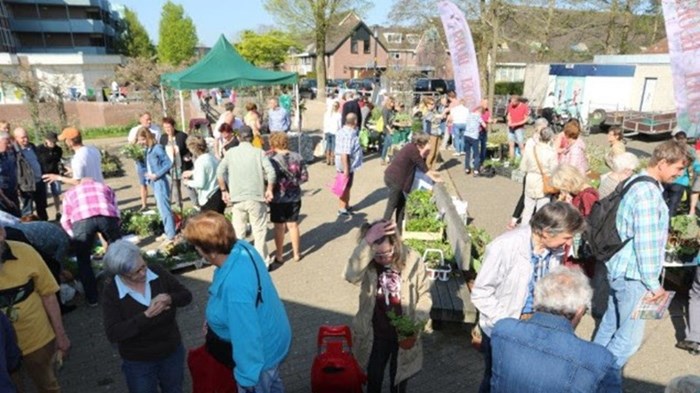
[177, 35]
[315, 17]
[266, 49]
[134, 40]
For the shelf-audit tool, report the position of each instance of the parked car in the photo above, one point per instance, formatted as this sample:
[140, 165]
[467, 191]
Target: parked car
[362, 86]
[428, 87]
[308, 89]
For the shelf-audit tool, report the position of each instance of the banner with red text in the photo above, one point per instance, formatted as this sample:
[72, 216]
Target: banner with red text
[462, 52]
[683, 32]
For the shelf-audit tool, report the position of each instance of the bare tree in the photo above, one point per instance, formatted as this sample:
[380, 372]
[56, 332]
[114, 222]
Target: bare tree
[317, 18]
[37, 90]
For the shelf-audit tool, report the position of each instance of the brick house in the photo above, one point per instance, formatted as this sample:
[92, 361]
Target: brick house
[352, 47]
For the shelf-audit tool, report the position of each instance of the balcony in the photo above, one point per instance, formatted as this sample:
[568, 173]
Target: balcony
[85, 26]
[85, 3]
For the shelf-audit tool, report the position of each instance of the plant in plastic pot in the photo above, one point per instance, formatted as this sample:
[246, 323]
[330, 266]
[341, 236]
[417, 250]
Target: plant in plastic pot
[407, 329]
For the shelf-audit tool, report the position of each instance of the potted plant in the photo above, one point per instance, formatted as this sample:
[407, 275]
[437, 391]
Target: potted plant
[479, 239]
[682, 244]
[435, 266]
[406, 329]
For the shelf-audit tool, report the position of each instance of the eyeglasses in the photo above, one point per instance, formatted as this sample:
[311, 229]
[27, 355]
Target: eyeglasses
[136, 272]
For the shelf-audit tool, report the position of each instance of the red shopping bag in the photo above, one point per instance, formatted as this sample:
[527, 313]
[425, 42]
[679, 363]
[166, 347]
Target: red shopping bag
[208, 375]
[339, 184]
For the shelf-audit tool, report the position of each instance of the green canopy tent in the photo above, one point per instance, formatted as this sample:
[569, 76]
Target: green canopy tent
[224, 67]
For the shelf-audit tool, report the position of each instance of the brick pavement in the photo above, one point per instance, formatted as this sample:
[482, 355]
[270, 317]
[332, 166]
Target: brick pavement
[491, 203]
[314, 293]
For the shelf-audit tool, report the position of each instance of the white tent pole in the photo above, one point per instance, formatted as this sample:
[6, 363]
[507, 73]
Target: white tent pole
[297, 116]
[297, 112]
[162, 100]
[182, 109]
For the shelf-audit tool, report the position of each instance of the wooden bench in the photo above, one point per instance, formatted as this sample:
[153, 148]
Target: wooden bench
[451, 302]
[452, 298]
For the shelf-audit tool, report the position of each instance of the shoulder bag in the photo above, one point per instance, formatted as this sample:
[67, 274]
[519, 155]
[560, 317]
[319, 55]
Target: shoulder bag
[547, 186]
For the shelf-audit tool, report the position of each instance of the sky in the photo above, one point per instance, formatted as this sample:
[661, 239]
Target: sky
[215, 17]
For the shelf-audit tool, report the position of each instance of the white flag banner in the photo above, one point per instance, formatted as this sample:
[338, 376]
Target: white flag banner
[683, 31]
[462, 52]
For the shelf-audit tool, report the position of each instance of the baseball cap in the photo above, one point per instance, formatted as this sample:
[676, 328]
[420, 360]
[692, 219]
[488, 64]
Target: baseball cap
[69, 133]
[51, 136]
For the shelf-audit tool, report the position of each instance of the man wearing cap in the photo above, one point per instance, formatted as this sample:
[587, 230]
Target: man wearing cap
[50, 154]
[38, 196]
[86, 160]
[146, 121]
[246, 168]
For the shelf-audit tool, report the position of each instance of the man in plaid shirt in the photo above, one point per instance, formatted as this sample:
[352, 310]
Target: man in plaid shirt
[348, 159]
[634, 271]
[88, 208]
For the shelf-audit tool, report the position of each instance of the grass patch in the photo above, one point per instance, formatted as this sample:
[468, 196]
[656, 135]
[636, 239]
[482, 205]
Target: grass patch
[105, 132]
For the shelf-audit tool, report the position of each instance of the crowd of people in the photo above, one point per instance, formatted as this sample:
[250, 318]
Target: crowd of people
[537, 279]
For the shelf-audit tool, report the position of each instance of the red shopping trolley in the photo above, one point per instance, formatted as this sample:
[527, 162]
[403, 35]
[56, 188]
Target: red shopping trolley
[335, 369]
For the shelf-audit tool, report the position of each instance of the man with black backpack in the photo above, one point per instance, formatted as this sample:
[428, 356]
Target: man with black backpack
[634, 248]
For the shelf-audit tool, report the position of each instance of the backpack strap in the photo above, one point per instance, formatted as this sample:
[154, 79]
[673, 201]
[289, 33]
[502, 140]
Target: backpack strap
[637, 180]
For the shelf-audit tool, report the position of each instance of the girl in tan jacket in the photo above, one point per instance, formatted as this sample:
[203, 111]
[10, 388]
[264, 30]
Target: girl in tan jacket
[391, 278]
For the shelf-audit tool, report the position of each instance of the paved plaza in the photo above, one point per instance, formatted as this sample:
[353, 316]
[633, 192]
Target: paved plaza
[314, 294]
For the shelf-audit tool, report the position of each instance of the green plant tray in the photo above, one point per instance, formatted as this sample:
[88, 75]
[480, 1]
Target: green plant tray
[420, 235]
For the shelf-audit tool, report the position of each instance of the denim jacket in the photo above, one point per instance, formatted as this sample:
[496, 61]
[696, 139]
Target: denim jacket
[544, 355]
[158, 162]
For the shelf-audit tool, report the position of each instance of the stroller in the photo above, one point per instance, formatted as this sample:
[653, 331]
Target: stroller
[334, 369]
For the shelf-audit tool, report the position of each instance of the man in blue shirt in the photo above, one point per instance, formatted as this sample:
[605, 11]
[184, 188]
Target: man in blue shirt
[633, 272]
[277, 117]
[564, 361]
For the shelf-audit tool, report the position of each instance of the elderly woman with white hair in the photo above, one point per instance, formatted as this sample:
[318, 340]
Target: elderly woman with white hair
[623, 166]
[139, 316]
[540, 124]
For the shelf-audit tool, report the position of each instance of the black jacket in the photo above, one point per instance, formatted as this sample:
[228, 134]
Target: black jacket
[49, 158]
[181, 142]
[352, 106]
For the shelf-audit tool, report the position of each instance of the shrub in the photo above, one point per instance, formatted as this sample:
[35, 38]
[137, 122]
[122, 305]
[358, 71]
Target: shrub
[111, 165]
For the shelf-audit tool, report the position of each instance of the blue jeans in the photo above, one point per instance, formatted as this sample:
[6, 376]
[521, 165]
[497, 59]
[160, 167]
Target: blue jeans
[485, 386]
[471, 148]
[386, 144]
[458, 137]
[620, 334]
[483, 137]
[330, 142]
[146, 377]
[270, 382]
[427, 126]
[161, 191]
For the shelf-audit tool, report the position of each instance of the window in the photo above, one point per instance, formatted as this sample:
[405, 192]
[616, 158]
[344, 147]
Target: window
[353, 46]
[393, 38]
[412, 38]
[366, 46]
[395, 55]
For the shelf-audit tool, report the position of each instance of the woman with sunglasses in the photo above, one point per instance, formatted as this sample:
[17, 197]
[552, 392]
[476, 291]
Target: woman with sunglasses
[139, 305]
[392, 279]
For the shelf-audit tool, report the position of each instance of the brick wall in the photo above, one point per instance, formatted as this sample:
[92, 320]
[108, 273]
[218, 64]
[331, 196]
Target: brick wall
[83, 114]
[343, 61]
